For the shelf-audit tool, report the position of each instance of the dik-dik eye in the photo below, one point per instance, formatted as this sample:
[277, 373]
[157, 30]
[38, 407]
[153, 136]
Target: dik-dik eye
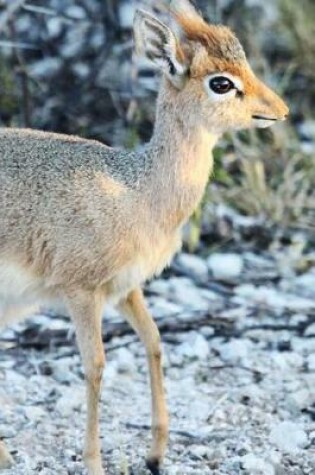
[221, 84]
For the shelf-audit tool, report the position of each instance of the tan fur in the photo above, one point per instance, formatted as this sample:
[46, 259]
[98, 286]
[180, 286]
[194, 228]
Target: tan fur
[82, 224]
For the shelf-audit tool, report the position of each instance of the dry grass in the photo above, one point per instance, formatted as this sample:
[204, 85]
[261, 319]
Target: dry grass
[272, 177]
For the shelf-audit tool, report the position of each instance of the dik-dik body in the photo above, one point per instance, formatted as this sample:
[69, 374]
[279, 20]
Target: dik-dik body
[84, 224]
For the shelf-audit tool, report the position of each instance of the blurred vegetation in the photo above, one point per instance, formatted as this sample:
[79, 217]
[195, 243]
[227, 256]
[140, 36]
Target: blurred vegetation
[94, 91]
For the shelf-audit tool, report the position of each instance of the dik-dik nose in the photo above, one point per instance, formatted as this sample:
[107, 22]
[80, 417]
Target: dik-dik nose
[271, 105]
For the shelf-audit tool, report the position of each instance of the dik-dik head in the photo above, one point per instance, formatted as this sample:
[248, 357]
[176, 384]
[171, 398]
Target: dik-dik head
[212, 84]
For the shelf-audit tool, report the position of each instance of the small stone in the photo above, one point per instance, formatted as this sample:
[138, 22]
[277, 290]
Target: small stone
[201, 452]
[34, 413]
[54, 27]
[311, 362]
[235, 351]
[125, 361]
[193, 264]
[256, 465]
[301, 398]
[7, 432]
[225, 267]
[195, 347]
[72, 399]
[81, 70]
[307, 129]
[310, 330]
[62, 370]
[288, 436]
[126, 14]
[45, 68]
[75, 12]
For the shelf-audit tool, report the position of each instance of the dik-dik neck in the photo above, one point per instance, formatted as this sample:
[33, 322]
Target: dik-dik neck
[182, 160]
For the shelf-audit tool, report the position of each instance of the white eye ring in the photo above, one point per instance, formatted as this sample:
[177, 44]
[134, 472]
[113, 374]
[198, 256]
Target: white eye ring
[220, 97]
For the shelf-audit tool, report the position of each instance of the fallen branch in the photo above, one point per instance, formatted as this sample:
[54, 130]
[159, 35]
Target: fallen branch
[36, 337]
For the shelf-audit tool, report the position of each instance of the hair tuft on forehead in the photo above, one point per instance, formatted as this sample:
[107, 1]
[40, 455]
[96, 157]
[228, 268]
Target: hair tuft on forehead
[219, 40]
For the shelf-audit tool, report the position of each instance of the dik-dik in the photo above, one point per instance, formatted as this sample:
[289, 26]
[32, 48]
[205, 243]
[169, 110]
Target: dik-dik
[84, 224]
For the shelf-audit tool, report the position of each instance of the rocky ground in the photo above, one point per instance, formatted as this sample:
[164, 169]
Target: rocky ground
[238, 332]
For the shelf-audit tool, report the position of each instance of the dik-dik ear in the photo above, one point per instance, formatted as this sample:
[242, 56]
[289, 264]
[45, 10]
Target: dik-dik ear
[160, 45]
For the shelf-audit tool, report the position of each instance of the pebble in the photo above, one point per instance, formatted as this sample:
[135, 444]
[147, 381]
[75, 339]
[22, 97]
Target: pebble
[201, 452]
[225, 267]
[271, 297]
[7, 432]
[235, 351]
[288, 437]
[256, 465]
[45, 68]
[307, 129]
[125, 361]
[311, 362]
[195, 265]
[310, 330]
[71, 400]
[195, 347]
[34, 413]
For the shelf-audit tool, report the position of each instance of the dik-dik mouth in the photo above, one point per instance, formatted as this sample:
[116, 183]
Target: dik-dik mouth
[261, 117]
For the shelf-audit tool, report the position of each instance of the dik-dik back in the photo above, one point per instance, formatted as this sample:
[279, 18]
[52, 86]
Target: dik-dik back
[84, 224]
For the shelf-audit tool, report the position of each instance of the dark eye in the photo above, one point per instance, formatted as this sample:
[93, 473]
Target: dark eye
[221, 85]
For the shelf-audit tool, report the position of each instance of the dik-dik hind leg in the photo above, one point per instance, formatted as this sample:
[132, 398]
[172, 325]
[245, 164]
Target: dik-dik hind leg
[135, 310]
[6, 461]
[86, 312]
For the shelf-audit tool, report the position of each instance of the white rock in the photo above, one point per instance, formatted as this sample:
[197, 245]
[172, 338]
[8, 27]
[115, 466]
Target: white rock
[194, 264]
[235, 351]
[160, 286]
[72, 399]
[125, 361]
[225, 267]
[6, 432]
[34, 413]
[45, 67]
[63, 370]
[201, 451]
[183, 291]
[310, 331]
[305, 284]
[126, 14]
[311, 362]
[54, 26]
[160, 307]
[81, 70]
[301, 398]
[196, 346]
[256, 465]
[288, 436]
[307, 147]
[307, 129]
[76, 12]
[272, 298]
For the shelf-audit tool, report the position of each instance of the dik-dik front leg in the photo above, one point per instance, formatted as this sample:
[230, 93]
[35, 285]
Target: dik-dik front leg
[135, 310]
[86, 311]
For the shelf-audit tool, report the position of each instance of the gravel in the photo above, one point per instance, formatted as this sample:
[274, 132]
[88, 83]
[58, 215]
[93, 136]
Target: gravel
[239, 373]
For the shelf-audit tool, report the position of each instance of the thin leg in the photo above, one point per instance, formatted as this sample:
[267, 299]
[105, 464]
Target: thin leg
[86, 312]
[135, 310]
[6, 461]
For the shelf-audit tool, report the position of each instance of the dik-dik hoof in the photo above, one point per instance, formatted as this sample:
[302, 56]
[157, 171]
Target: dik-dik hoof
[6, 461]
[153, 465]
